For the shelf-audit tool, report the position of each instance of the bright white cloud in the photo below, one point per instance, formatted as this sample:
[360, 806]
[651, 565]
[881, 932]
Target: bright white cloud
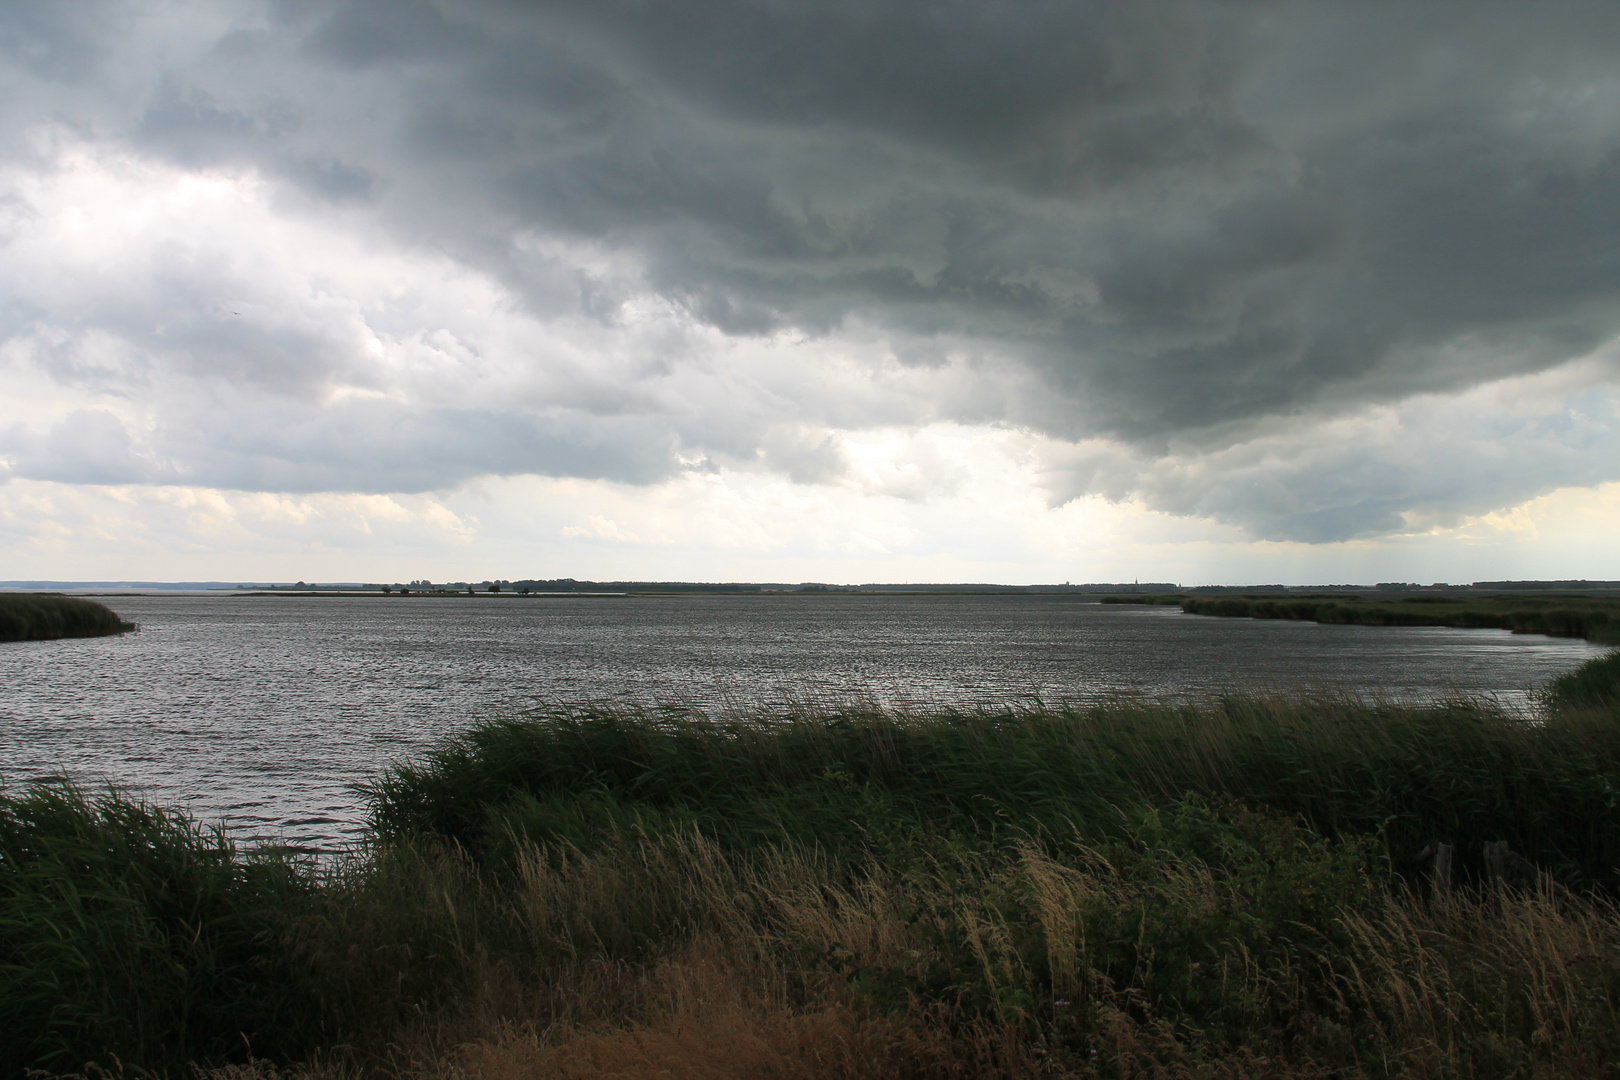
[994, 522]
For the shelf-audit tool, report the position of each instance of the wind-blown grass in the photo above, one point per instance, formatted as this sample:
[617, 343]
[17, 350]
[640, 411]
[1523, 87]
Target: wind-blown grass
[1463, 773]
[126, 928]
[1595, 685]
[47, 617]
[1126, 890]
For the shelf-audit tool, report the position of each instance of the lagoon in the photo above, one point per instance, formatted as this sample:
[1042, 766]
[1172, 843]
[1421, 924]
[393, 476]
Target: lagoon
[262, 711]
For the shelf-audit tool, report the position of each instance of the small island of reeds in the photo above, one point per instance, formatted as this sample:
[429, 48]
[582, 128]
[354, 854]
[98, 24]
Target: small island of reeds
[1242, 887]
[50, 616]
[1595, 618]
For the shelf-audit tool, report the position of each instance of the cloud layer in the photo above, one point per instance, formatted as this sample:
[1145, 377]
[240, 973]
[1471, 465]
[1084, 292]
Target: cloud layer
[1279, 265]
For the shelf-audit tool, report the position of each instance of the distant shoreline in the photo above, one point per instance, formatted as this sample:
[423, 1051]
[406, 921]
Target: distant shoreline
[1595, 618]
[571, 586]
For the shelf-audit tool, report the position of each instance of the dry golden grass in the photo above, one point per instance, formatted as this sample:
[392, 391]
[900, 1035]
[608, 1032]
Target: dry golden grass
[706, 1018]
[754, 974]
[1470, 986]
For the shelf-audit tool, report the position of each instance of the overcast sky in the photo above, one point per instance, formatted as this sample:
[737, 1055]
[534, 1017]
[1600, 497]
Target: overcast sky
[838, 290]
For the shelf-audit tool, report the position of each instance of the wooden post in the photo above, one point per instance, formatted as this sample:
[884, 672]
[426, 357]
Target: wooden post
[1496, 863]
[1442, 872]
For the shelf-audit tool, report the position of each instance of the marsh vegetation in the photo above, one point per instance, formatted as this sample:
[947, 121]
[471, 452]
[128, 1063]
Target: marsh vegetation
[49, 616]
[1238, 888]
[1595, 618]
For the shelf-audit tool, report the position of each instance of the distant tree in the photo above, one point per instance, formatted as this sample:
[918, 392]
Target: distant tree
[387, 589]
[495, 587]
[403, 591]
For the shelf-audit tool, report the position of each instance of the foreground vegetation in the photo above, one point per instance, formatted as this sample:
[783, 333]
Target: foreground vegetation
[1240, 888]
[1594, 618]
[48, 616]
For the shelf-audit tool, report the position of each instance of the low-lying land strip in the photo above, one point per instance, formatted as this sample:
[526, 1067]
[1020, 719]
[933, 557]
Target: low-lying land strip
[47, 617]
[1596, 618]
[1267, 887]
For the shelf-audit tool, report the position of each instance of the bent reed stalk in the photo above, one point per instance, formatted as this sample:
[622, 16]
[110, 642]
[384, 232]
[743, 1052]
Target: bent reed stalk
[1222, 889]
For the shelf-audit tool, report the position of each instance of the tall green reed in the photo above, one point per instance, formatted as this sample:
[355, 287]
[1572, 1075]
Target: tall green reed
[127, 931]
[1463, 773]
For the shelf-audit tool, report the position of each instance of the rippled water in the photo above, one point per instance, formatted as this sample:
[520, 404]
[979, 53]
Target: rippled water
[263, 710]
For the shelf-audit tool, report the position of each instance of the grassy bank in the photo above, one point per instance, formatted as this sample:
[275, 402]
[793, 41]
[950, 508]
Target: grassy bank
[1243, 888]
[1462, 772]
[46, 617]
[1594, 618]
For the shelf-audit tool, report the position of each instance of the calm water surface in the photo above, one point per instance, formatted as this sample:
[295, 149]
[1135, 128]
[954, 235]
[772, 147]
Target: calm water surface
[264, 710]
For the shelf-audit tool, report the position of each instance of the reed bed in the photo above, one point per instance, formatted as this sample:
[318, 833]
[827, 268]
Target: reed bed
[1596, 618]
[1219, 890]
[48, 617]
[1461, 772]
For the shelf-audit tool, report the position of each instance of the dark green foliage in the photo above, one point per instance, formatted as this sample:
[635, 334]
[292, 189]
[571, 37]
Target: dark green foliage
[126, 930]
[1555, 616]
[1593, 685]
[33, 617]
[1462, 773]
[1237, 607]
[1147, 600]
[1169, 916]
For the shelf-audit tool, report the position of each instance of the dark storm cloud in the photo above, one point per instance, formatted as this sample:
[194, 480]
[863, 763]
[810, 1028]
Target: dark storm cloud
[1179, 221]
[994, 81]
[953, 166]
